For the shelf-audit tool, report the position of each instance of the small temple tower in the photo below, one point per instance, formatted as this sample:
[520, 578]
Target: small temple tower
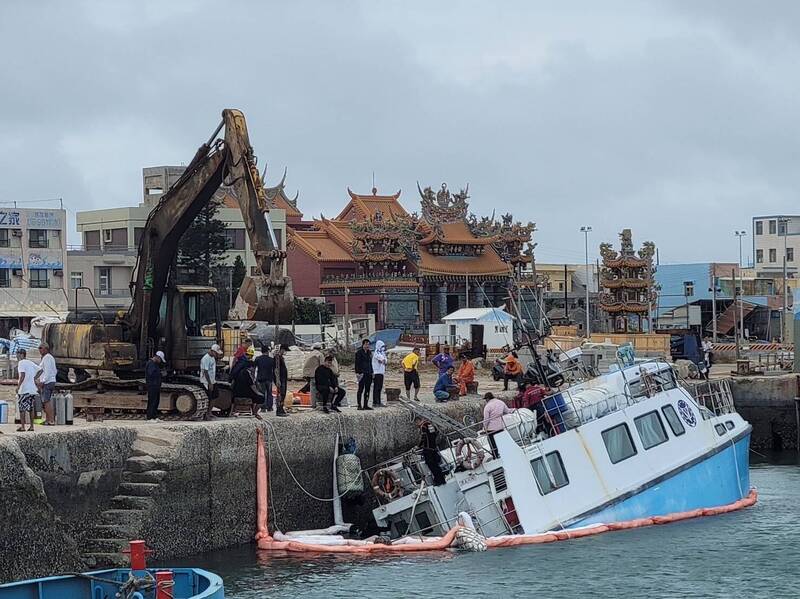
[628, 296]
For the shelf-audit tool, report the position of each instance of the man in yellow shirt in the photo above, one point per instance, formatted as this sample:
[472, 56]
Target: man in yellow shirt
[411, 374]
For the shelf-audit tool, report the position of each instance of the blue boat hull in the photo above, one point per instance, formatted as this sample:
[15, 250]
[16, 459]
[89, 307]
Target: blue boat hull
[718, 478]
[190, 583]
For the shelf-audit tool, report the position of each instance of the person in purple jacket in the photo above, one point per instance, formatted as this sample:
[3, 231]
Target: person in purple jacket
[443, 360]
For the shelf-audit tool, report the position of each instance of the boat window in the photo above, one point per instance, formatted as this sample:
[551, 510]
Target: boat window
[423, 522]
[651, 429]
[674, 420]
[720, 428]
[619, 443]
[550, 476]
[729, 424]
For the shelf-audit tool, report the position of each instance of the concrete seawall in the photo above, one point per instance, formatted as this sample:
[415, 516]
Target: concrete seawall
[70, 500]
[767, 402]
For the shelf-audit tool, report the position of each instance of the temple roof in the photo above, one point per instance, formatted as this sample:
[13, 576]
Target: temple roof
[319, 245]
[365, 206]
[456, 232]
[486, 264]
[277, 198]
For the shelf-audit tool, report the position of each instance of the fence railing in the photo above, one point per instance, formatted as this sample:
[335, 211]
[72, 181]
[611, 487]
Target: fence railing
[715, 396]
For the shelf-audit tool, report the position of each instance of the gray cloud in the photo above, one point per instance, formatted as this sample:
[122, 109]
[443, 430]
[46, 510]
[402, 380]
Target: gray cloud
[675, 119]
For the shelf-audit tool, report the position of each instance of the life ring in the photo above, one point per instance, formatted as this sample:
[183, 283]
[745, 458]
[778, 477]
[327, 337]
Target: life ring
[474, 454]
[386, 484]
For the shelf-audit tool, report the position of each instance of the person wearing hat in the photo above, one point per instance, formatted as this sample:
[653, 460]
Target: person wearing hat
[312, 362]
[281, 379]
[244, 383]
[208, 375]
[152, 378]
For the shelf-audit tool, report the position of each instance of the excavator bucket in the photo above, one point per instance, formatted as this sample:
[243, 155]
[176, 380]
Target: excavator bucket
[264, 299]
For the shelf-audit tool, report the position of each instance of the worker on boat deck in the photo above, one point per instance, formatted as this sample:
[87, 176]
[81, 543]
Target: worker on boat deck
[512, 370]
[430, 449]
[327, 384]
[443, 360]
[281, 379]
[208, 375]
[363, 368]
[312, 362]
[152, 380]
[265, 375]
[493, 413]
[441, 391]
[411, 373]
[243, 382]
[465, 375]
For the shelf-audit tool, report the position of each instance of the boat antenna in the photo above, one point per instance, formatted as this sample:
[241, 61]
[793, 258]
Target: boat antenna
[512, 290]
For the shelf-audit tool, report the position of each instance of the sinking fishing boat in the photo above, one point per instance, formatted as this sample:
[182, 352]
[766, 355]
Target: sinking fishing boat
[630, 445]
[136, 582]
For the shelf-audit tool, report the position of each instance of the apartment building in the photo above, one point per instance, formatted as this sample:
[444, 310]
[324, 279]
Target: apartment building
[105, 260]
[32, 257]
[773, 237]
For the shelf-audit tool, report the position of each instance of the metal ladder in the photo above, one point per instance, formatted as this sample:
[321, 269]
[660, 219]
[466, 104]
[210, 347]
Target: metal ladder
[442, 421]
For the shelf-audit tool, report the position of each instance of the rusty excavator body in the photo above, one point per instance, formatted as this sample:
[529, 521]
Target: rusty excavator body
[164, 315]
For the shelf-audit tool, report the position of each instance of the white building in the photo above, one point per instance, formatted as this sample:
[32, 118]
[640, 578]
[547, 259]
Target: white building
[32, 257]
[771, 235]
[106, 258]
[495, 325]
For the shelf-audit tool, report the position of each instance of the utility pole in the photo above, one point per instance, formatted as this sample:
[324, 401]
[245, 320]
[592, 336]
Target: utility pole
[566, 296]
[586, 230]
[785, 222]
[736, 326]
[347, 317]
[740, 234]
[714, 303]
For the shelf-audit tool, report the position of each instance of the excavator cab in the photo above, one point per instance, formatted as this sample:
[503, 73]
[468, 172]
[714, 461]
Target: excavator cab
[187, 312]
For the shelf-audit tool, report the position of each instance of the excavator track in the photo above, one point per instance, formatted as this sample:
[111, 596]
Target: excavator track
[184, 401]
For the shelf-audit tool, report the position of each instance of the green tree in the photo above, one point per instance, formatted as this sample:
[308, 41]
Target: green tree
[202, 247]
[309, 311]
[239, 272]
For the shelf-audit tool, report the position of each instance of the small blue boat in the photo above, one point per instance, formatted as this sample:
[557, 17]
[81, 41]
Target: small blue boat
[187, 583]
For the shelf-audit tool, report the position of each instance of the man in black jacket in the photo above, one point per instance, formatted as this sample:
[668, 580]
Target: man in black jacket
[281, 379]
[363, 366]
[327, 384]
[152, 376]
[265, 374]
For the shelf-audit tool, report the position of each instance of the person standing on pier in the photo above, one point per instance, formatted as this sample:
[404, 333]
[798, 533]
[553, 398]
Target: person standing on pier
[281, 379]
[379, 370]
[208, 376]
[312, 362]
[26, 389]
[152, 379]
[363, 368]
[411, 373]
[443, 360]
[46, 382]
[265, 375]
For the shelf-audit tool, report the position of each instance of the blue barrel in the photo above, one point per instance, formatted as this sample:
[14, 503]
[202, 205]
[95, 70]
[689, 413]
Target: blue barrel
[3, 412]
[556, 406]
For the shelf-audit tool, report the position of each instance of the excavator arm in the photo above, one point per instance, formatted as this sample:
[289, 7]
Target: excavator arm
[216, 163]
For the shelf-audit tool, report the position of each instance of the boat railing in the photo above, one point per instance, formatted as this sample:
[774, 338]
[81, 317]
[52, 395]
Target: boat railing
[715, 396]
[406, 467]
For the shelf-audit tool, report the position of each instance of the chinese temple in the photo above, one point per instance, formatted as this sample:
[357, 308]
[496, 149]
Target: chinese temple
[626, 277]
[408, 269]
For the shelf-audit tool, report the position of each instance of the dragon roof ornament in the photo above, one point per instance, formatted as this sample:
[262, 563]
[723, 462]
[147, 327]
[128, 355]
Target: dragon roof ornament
[442, 206]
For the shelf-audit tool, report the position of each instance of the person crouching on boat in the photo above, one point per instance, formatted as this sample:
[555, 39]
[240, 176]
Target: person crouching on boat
[441, 391]
[512, 370]
[466, 374]
[493, 412]
[430, 450]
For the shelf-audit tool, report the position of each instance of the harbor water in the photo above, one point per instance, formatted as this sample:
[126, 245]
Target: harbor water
[751, 553]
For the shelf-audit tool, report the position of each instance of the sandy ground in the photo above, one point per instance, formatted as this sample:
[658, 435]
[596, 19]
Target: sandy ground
[393, 379]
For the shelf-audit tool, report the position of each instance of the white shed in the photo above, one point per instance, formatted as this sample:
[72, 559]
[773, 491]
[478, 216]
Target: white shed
[493, 325]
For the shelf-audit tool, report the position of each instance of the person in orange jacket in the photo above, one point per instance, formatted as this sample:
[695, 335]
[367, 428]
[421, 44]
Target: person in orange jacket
[465, 375]
[512, 370]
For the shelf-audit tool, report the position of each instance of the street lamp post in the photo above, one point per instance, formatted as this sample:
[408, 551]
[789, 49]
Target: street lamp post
[785, 222]
[586, 231]
[740, 234]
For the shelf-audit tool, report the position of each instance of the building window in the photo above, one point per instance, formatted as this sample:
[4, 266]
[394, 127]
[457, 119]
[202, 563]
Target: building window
[759, 227]
[104, 281]
[760, 256]
[75, 280]
[781, 227]
[38, 279]
[773, 255]
[37, 238]
[107, 236]
[772, 227]
[688, 288]
[560, 286]
[5, 277]
[550, 476]
[619, 443]
[651, 430]
[790, 254]
[235, 238]
[672, 419]
[5, 238]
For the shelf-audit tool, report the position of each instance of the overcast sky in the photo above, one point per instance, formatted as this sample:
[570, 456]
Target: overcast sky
[676, 119]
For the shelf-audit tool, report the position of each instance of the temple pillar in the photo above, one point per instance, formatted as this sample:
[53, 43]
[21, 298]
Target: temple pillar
[441, 296]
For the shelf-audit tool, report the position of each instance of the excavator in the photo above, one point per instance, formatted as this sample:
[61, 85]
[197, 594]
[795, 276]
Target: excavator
[164, 315]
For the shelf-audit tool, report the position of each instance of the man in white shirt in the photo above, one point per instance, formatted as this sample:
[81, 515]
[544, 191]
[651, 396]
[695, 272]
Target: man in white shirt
[208, 375]
[46, 382]
[26, 390]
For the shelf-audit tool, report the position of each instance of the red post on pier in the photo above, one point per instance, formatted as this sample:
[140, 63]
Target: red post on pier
[164, 584]
[138, 553]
